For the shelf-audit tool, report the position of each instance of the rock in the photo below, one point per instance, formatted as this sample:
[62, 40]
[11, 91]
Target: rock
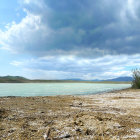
[1, 129]
[78, 130]
[34, 130]
[65, 136]
[89, 132]
[11, 131]
[100, 119]
[79, 123]
[3, 113]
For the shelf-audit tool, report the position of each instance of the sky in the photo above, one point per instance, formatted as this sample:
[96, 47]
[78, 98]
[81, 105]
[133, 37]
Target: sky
[69, 39]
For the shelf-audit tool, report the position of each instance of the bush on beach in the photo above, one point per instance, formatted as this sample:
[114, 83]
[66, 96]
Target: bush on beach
[136, 79]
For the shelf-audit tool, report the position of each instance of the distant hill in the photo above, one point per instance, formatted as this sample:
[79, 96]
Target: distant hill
[13, 79]
[19, 79]
[75, 79]
[121, 79]
[118, 79]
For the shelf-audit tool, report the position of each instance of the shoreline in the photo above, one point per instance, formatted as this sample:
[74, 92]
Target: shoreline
[98, 93]
[107, 116]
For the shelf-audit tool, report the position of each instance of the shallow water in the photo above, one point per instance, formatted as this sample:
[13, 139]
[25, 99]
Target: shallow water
[48, 89]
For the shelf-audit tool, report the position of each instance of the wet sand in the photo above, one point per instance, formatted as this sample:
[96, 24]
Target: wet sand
[109, 116]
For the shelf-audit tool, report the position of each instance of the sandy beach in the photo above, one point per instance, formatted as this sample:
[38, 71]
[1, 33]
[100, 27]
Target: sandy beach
[109, 116]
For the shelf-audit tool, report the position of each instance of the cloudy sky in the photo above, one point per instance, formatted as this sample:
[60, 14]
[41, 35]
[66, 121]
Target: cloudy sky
[66, 39]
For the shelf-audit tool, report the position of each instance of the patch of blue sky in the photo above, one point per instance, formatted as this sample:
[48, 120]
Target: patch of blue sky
[6, 58]
[131, 68]
[10, 11]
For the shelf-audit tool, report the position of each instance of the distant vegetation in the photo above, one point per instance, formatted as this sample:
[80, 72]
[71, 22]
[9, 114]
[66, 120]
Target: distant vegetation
[136, 79]
[19, 79]
[13, 79]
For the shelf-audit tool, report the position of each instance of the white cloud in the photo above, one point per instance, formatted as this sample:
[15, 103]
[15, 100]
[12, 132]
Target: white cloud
[27, 33]
[67, 67]
[16, 63]
[27, 1]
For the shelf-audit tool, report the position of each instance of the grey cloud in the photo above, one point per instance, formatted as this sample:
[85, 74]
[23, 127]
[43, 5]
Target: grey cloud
[85, 28]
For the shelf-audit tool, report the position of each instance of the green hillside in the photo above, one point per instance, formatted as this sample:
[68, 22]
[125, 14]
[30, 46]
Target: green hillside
[13, 79]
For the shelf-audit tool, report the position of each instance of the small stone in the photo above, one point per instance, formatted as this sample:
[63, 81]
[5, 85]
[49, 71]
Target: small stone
[78, 130]
[89, 132]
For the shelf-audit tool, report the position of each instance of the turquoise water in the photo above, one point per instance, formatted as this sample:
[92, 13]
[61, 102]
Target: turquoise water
[48, 89]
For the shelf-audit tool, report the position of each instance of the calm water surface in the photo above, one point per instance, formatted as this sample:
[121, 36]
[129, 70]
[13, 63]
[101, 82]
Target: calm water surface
[48, 89]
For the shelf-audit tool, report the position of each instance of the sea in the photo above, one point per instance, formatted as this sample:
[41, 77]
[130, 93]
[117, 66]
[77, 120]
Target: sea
[52, 89]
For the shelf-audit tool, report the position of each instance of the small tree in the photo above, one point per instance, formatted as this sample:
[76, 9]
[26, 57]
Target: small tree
[136, 79]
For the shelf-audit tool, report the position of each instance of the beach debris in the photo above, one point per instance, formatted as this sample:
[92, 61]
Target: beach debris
[65, 136]
[79, 122]
[1, 128]
[130, 137]
[25, 125]
[76, 105]
[3, 113]
[46, 135]
[46, 123]
[136, 130]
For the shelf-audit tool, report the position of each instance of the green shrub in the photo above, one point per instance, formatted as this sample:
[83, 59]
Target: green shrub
[136, 79]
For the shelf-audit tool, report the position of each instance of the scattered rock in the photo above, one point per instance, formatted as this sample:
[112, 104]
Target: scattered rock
[65, 136]
[79, 123]
[11, 131]
[89, 132]
[78, 130]
[34, 130]
[1, 129]
[99, 118]
[3, 113]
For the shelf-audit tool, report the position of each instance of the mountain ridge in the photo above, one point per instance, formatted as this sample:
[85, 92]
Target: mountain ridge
[121, 79]
[20, 79]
